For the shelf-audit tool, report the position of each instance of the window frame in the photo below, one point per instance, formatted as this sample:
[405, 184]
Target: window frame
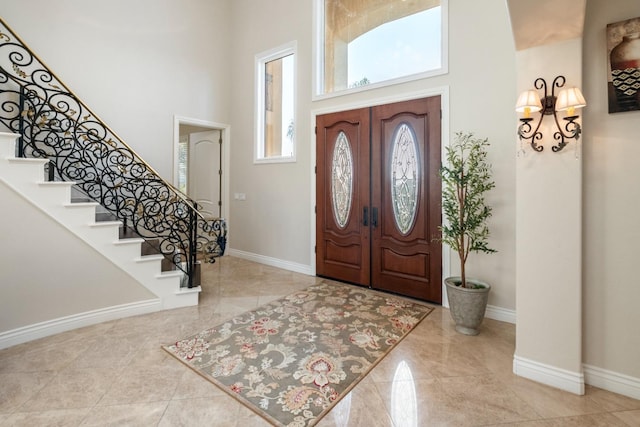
[261, 59]
[318, 57]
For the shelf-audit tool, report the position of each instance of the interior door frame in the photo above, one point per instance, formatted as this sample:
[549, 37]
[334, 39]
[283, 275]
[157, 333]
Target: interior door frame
[443, 91]
[225, 161]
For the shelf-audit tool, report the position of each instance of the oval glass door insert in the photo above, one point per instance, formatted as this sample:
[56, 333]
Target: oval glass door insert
[405, 172]
[341, 180]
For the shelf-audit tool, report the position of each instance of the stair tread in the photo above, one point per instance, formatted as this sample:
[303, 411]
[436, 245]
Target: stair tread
[106, 217]
[128, 241]
[27, 160]
[170, 274]
[127, 233]
[106, 224]
[81, 204]
[195, 289]
[149, 258]
[57, 183]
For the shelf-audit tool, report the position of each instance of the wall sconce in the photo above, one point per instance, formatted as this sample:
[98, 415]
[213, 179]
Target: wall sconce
[568, 100]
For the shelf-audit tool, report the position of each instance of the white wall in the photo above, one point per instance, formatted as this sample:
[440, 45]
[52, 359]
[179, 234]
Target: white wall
[136, 64]
[611, 194]
[482, 81]
[276, 219]
[48, 273]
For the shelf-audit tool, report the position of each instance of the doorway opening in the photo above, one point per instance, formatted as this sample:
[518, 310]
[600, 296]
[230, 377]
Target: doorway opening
[378, 197]
[201, 164]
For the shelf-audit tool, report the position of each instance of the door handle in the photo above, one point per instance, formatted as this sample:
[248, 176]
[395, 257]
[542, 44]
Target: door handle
[365, 216]
[374, 219]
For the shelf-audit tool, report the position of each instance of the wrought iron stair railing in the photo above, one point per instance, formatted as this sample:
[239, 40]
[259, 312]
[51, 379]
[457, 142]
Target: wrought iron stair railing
[53, 123]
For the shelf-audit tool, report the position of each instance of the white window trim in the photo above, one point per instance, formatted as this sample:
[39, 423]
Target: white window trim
[318, 57]
[261, 59]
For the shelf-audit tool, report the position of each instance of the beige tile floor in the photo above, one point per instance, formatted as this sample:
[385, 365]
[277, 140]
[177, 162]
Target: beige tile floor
[116, 374]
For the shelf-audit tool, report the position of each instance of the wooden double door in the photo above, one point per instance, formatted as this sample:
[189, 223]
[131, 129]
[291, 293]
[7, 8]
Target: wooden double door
[378, 197]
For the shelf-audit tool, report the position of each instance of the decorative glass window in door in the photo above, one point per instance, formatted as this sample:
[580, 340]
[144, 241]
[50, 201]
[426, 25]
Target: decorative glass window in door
[341, 180]
[183, 159]
[405, 172]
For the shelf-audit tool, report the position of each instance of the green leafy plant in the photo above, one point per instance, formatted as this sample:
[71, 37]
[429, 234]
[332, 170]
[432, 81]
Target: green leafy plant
[466, 178]
[362, 82]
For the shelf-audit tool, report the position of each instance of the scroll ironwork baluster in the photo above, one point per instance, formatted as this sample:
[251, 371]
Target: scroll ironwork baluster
[53, 123]
[21, 124]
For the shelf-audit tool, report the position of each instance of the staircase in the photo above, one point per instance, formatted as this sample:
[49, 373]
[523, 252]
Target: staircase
[26, 177]
[96, 185]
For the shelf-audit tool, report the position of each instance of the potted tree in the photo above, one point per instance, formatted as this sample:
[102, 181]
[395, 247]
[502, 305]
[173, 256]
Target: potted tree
[466, 178]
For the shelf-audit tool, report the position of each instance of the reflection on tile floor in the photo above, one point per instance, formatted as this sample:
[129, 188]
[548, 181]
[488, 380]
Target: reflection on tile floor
[115, 373]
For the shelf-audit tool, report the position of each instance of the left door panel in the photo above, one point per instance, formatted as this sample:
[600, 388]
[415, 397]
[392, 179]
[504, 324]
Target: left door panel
[343, 196]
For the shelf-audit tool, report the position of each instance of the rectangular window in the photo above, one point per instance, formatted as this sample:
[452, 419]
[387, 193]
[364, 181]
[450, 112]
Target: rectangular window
[373, 43]
[275, 105]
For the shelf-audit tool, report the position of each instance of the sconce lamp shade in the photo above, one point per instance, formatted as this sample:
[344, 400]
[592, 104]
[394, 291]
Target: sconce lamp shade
[528, 101]
[570, 99]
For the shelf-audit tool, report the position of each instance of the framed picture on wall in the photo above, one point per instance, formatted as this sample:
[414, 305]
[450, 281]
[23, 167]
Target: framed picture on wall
[623, 48]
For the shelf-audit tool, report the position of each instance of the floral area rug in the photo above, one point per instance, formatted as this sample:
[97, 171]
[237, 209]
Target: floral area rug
[293, 359]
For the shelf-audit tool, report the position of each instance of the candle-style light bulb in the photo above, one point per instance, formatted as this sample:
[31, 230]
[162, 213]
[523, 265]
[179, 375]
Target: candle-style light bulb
[528, 101]
[569, 99]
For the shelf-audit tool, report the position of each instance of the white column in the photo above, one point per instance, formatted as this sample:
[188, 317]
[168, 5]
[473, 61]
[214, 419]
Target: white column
[549, 236]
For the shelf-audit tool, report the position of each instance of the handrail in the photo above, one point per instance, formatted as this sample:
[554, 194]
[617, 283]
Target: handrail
[54, 123]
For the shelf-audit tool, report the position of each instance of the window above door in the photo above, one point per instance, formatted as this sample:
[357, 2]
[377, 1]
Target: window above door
[362, 44]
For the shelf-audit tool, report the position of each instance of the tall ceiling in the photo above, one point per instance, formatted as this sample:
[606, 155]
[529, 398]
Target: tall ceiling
[541, 22]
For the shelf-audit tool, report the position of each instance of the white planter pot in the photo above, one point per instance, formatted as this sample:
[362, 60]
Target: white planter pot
[467, 306]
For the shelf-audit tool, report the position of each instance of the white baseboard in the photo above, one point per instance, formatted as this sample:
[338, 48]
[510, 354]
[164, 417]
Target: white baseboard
[612, 381]
[501, 314]
[493, 312]
[67, 323]
[572, 382]
[273, 262]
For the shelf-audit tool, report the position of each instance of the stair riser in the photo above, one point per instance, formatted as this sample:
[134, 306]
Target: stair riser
[44, 196]
[130, 251]
[8, 144]
[29, 171]
[60, 190]
[74, 216]
[149, 268]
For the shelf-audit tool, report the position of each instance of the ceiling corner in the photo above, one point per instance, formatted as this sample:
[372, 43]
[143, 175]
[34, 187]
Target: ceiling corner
[542, 22]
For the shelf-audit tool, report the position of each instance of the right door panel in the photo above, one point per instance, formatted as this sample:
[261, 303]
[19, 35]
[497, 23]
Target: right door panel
[406, 256]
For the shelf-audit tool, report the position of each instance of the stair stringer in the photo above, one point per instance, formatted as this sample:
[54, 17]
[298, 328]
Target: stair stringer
[25, 176]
